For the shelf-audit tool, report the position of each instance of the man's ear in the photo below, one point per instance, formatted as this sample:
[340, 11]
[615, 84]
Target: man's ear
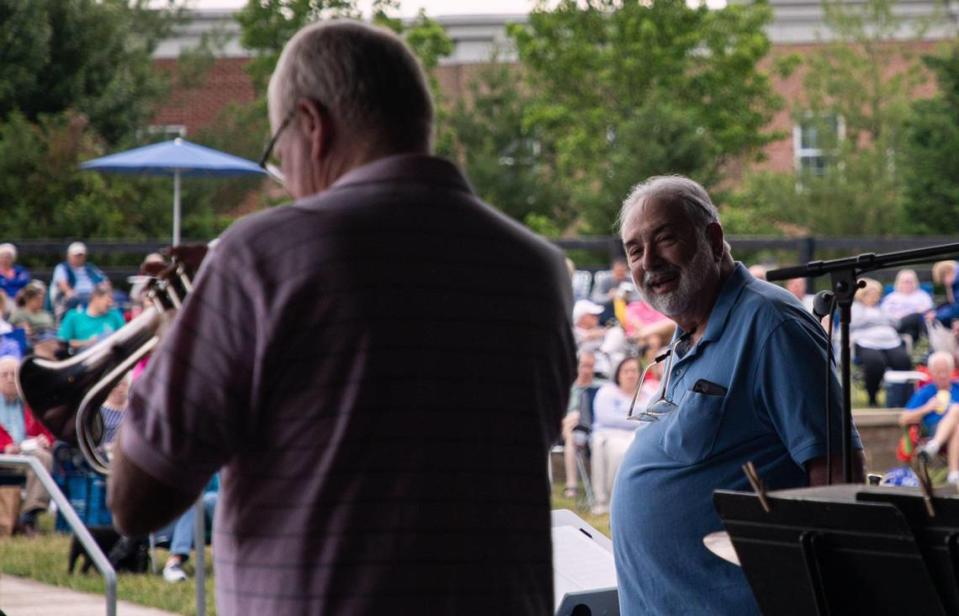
[318, 128]
[716, 238]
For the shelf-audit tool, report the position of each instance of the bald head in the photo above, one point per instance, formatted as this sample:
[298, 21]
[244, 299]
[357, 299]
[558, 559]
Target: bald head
[941, 364]
[8, 377]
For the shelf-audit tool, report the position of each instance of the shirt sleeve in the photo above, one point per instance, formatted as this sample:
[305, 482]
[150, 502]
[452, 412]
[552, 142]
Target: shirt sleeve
[790, 384]
[66, 327]
[189, 411]
[59, 274]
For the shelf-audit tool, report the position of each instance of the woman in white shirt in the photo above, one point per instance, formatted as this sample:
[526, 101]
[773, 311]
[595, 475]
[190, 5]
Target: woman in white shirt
[875, 340]
[908, 304]
[612, 432]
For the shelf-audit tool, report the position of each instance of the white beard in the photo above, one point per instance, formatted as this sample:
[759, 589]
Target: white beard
[691, 280]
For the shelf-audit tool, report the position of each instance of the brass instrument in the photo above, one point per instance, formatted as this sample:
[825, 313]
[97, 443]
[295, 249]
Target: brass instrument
[66, 395]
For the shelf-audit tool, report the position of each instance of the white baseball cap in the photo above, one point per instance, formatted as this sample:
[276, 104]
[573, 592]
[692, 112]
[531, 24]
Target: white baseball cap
[584, 306]
[76, 248]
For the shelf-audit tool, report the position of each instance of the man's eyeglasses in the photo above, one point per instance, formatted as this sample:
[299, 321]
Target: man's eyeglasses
[268, 150]
[662, 405]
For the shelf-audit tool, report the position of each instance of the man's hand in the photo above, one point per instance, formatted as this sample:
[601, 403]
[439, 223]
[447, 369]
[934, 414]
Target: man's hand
[44, 442]
[139, 502]
[12, 449]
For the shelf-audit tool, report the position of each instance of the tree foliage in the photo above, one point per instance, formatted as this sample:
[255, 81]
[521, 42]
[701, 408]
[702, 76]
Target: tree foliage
[92, 56]
[862, 81]
[929, 153]
[624, 90]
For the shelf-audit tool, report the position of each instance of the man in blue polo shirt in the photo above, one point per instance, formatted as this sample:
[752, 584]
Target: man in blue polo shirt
[935, 407]
[748, 369]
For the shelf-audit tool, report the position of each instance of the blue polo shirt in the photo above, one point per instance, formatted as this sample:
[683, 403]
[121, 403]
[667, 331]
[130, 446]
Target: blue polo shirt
[769, 356]
[924, 394]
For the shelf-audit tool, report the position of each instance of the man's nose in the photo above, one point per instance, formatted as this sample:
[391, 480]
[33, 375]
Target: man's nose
[650, 258]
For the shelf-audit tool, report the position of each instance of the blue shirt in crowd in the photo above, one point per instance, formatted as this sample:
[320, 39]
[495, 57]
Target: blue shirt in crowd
[762, 363]
[925, 394]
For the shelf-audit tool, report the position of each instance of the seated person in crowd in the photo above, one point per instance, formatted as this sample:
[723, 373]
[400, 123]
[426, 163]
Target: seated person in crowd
[934, 407]
[612, 432]
[797, 286]
[9, 345]
[30, 314]
[908, 304]
[876, 342]
[13, 277]
[84, 326]
[579, 413]
[21, 433]
[587, 331]
[605, 289]
[182, 533]
[74, 280]
[944, 275]
[113, 408]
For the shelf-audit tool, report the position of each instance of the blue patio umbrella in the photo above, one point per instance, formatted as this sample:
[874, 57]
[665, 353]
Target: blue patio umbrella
[177, 158]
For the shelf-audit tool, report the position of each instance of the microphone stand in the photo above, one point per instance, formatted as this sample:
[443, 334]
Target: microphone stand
[844, 282]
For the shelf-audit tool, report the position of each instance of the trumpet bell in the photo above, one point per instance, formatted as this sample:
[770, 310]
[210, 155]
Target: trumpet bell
[55, 390]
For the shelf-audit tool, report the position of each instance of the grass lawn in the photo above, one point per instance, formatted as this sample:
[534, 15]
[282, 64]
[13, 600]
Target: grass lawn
[44, 558]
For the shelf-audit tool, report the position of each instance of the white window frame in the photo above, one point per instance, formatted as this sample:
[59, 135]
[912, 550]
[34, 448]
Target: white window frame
[800, 153]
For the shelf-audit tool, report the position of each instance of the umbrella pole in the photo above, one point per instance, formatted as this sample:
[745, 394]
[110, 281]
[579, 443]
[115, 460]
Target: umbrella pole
[176, 207]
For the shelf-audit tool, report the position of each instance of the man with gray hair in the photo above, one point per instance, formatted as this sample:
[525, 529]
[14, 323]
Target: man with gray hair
[380, 368]
[748, 366]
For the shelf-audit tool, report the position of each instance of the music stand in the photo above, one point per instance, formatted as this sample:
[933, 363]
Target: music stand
[937, 536]
[820, 551]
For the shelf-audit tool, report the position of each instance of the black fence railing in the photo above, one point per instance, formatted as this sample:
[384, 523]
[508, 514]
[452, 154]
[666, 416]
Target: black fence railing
[123, 256]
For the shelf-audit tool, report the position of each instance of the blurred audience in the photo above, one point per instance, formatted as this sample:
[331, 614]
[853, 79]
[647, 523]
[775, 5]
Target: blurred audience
[579, 418]
[586, 329]
[182, 533]
[21, 433]
[876, 342]
[30, 314]
[84, 326]
[13, 277]
[934, 408]
[74, 280]
[612, 432]
[907, 304]
[797, 286]
[112, 410]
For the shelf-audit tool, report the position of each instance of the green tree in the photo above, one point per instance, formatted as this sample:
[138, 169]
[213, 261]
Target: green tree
[624, 90]
[92, 56]
[856, 104]
[502, 156]
[931, 167]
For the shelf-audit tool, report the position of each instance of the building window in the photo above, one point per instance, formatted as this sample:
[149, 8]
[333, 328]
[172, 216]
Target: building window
[813, 139]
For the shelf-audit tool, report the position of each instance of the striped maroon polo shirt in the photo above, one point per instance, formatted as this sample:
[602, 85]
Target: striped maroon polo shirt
[379, 370]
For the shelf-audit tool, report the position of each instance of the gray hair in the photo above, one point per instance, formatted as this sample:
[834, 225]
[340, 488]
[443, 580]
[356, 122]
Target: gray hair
[673, 189]
[10, 249]
[364, 76]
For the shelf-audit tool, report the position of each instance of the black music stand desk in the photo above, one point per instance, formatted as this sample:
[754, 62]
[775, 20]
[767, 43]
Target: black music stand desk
[824, 551]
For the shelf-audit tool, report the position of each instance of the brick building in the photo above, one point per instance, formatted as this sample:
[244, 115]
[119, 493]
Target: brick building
[796, 28]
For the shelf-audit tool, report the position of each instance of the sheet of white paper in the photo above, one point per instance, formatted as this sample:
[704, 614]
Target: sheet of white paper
[579, 563]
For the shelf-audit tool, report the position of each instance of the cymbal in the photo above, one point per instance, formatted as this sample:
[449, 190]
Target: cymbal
[721, 545]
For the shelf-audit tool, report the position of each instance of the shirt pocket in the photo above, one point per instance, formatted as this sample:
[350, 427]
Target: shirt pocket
[691, 429]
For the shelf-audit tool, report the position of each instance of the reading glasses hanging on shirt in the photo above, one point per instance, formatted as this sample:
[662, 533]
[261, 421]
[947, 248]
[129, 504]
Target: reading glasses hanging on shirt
[662, 405]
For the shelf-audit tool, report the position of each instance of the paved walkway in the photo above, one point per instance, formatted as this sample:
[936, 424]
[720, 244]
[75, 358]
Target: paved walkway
[23, 597]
